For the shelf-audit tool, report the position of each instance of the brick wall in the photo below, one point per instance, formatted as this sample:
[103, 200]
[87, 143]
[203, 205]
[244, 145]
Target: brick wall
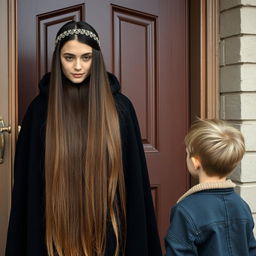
[238, 85]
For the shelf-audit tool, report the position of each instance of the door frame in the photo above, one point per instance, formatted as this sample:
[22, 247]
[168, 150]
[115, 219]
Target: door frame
[13, 73]
[210, 59]
[204, 59]
[8, 107]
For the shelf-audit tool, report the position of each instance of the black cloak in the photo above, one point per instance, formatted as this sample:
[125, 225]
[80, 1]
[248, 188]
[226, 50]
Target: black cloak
[26, 233]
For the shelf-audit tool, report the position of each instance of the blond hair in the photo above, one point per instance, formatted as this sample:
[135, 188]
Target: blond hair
[218, 145]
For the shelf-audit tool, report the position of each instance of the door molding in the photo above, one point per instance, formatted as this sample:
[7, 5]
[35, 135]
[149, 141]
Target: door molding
[210, 59]
[204, 59]
[8, 100]
[13, 72]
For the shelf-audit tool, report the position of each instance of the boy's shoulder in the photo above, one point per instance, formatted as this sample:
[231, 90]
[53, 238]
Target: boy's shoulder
[211, 205]
[211, 197]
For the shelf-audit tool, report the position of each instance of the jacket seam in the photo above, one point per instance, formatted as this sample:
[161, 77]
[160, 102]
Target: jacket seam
[189, 219]
[227, 227]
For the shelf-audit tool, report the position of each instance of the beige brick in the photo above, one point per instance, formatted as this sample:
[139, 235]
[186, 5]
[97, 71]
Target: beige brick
[248, 129]
[248, 106]
[246, 169]
[247, 192]
[222, 107]
[248, 2]
[248, 20]
[230, 78]
[248, 77]
[232, 50]
[243, 22]
[222, 53]
[238, 78]
[240, 49]
[248, 49]
[226, 4]
[230, 107]
[228, 28]
[238, 106]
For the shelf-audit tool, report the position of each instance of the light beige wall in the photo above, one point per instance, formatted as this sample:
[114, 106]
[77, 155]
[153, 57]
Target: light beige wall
[238, 85]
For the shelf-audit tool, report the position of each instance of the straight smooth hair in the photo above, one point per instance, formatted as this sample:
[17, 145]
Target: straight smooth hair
[84, 180]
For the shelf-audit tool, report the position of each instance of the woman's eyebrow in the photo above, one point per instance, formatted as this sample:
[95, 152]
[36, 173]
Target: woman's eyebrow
[71, 54]
[87, 53]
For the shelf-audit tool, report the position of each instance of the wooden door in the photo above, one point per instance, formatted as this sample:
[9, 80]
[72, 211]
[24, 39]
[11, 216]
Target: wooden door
[145, 45]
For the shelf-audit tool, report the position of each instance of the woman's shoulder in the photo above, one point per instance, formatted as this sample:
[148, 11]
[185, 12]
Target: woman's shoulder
[121, 98]
[36, 112]
[124, 106]
[116, 91]
[39, 103]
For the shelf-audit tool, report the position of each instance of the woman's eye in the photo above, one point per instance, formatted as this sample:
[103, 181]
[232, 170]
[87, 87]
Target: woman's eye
[68, 58]
[87, 57]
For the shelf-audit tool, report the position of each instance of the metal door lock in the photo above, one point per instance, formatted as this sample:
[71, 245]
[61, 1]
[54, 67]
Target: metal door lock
[3, 129]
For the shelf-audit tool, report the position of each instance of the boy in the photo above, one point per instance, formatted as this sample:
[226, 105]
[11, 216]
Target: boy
[210, 219]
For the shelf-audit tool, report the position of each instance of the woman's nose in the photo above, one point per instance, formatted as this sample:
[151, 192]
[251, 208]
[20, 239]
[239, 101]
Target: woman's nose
[77, 65]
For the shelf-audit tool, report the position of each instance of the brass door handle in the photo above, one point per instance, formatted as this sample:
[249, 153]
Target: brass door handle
[3, 129]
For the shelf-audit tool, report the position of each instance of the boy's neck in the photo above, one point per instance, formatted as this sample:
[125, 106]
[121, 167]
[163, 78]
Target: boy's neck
[204, 178]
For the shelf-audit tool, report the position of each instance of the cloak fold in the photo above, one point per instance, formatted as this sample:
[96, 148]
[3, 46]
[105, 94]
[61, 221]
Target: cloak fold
[26, 233]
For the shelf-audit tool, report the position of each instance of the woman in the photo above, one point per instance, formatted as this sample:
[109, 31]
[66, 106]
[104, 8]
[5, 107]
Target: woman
[81, 185]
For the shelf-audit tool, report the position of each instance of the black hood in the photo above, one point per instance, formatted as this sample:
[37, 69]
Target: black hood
[45, 81]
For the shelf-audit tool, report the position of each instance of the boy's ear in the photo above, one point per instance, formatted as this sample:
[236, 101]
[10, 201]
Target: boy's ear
[196, 162]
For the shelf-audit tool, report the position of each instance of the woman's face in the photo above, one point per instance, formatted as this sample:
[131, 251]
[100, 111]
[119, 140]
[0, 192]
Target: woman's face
[76, 60]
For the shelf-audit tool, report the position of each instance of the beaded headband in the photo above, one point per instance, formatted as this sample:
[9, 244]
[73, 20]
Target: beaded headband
[77, 31]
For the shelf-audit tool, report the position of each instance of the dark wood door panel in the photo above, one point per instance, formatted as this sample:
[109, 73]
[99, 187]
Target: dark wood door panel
[48, 25]
[134, 50]
[37, 24]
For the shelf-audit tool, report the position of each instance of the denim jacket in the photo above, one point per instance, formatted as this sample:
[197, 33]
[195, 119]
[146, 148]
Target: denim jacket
[211, 222]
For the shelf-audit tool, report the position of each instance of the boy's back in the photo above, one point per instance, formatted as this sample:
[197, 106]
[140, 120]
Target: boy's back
[211, 222]
[210, 219]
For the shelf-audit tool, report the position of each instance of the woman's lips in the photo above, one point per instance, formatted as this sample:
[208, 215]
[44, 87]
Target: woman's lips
[77, 75]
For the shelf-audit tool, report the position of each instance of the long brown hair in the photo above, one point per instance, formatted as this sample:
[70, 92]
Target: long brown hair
[84, 180]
